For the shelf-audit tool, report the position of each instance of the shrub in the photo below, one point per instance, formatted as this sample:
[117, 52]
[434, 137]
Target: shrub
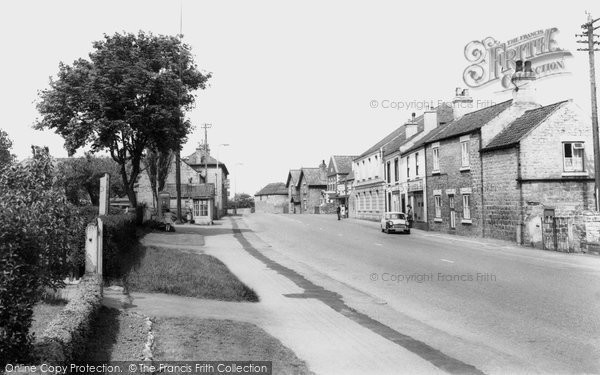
[120, 244]
[39, 237]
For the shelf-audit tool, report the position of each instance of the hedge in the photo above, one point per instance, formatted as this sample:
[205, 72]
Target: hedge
[68, 333]
[120, 244]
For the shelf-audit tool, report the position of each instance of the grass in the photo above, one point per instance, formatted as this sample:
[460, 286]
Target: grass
[43, 313]
[187, 274]
[115, 336]
[189, 339]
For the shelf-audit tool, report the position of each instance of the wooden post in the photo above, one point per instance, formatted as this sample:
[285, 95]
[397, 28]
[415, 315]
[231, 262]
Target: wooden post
[100, 245]
[104, 194]
[91, 249]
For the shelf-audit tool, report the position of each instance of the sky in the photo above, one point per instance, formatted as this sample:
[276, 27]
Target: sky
[293, 82]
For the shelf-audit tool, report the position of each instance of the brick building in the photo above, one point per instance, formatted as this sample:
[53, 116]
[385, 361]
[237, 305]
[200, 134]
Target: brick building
[338, 189]
[542, 163]
[312, 184]
[293, 191]
[272, 198]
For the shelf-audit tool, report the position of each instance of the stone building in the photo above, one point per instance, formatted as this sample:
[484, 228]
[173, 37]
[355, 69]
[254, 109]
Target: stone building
[541, 164]
[293, 191]
[312, 184]
[272, 198]
[197, 197]
[214, 172]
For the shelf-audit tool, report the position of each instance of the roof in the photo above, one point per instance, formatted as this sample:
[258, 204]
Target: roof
[274, 188]
[519, 128]
[199, 158]
[350, 176]
[293, 177]
[314, 176]
[343, 163]
[421, 142]
[192, 190]
[395, 139]
[471, 121]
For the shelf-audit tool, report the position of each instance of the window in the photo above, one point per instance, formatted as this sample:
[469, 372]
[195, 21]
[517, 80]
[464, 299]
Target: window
[464, 147]
[396, 174]
[370, 201]
[436, 159]
[408, 166]
[388, 172]
[466, 199]
[377, 200]
[417, 164]
[200, 208]
[573, 157]
[438, 206]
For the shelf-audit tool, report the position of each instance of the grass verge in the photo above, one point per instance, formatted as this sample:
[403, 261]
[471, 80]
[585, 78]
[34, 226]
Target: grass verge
[115, 336]
[186, 274]
[189, 339]
[43, 313]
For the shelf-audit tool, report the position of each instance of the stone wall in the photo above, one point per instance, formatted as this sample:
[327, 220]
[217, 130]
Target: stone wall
[274, 204]
[452, 177]
[501, 198]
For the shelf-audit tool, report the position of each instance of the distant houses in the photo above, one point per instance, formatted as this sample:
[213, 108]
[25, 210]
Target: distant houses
[502, 171]
[273, 198]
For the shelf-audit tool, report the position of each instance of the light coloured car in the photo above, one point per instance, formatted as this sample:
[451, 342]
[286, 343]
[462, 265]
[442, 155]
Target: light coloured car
[395, 222]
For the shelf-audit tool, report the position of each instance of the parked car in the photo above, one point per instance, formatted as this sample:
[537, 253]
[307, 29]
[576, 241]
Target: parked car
[395, 222]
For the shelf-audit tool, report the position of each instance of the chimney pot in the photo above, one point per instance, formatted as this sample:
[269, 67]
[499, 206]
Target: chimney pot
[518, 66]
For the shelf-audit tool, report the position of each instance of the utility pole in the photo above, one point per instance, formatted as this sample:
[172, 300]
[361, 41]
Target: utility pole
[588, 32]
[178, 153]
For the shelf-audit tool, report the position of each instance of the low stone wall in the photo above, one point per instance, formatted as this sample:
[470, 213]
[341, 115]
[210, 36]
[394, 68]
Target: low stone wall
[66, 335]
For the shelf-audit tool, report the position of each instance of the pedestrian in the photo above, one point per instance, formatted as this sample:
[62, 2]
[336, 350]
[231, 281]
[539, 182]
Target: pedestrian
[168, 220]
[409, 216]
[343, 211]
[339, 212]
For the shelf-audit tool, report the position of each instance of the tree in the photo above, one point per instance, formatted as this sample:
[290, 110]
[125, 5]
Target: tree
[158, 165]
[128, 97]
[80, 178]
[6, 158]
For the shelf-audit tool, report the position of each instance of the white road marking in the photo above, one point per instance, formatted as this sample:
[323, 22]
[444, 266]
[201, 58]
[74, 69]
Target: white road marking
[378, 244]
[446, 260]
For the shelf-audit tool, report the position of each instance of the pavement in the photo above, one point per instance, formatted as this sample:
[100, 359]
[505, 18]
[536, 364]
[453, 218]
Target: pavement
[313, 322]
[501, 308]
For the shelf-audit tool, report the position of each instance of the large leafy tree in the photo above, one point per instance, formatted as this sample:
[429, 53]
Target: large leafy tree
[128, 97]
[158, 166]
[6, 158]
[80, 178]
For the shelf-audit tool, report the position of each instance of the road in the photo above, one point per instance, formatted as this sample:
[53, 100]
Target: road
[500, 308]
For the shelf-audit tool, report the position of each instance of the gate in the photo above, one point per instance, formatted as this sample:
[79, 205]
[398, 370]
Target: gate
[555, 234]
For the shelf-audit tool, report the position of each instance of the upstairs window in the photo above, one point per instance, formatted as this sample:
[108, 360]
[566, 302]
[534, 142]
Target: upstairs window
[438, 206]
[573, 156]
[408, 166]
[436, 159]
[464, 150]
[417, 164]
[396, 174]
[388, 172]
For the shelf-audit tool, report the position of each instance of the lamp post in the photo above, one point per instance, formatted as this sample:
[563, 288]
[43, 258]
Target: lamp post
[235, 198]
[217, 178]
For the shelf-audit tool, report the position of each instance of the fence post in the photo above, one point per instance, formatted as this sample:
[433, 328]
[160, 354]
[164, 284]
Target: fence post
[100, 245]
[91, 249]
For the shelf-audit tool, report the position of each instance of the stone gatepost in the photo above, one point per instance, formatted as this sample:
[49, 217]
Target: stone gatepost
[104, 194]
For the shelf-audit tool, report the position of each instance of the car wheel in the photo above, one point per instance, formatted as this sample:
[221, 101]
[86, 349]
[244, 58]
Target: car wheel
[408, 231]
[382, 230]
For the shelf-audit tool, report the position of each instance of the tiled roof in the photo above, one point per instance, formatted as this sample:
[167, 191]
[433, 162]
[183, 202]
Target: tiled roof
[192, 190]
[471, 121]
[314, 176]
[343, 163]
[350, 176]
[517, 129]
[293, 177]
[421, 142]
[199, 159]
[398, 136]
[274, 188]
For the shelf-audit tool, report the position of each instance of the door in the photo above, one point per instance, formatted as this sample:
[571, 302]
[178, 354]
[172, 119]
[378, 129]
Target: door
[452, 212]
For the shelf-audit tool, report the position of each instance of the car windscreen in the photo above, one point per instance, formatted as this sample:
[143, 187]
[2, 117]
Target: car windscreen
[396, 216]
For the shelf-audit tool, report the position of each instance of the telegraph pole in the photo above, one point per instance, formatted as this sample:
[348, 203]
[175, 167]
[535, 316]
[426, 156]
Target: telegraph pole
[206, 127]
[178, 153]
[588, 32]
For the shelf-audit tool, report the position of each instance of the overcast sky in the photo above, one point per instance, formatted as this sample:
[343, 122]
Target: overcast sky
[292, 81]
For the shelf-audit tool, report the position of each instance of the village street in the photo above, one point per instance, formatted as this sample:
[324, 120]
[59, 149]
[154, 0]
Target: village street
[497, 307]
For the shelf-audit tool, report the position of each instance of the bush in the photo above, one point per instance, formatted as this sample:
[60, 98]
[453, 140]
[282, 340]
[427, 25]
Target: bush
[120, 244]
[39, 238]
[68, 333]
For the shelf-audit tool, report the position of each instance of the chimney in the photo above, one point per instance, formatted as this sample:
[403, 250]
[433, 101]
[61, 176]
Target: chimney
[523, 80]
[323, 166]
[462, 103]
[430, 120]
[411, 126]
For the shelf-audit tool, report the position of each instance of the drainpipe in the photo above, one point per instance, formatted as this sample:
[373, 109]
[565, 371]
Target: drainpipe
[425, 213]
[482, 219]
[520, 187]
